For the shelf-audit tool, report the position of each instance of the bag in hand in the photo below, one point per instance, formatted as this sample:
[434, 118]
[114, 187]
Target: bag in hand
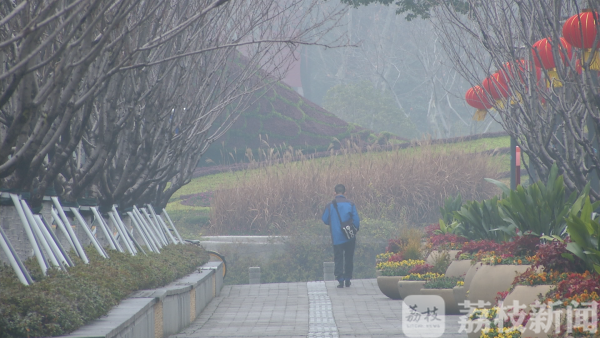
[348, 228]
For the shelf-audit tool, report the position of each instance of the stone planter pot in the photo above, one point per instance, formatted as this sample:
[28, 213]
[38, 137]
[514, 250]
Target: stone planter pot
[409, 287]
[433, 256]
[448, 297]
[491, 279]
[531, 334]
[389, 285]
[458, 268]
[470, 273]
[460, 294]
[526, 295]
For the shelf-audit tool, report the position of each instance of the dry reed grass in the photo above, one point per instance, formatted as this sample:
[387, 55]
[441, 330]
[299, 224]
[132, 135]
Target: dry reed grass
[390, 185]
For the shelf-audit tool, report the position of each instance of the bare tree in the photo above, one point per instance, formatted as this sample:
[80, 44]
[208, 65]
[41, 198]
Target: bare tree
[121, 98]
[552, 113]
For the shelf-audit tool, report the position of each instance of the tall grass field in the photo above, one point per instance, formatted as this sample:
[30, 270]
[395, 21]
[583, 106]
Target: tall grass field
[393, 190]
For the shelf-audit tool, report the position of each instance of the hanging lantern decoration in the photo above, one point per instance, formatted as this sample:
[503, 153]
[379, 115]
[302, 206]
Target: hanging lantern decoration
[496, 88]
[508, 71]
[580, 31]
[543, 57]
[477, 98]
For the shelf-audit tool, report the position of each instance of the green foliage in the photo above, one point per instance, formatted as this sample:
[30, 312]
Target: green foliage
[538, 209]
[190, 223]
[442, 282]
[368, 107]
[451, 204]
[585, 233]
[61, 302]
[301, 259]
[482, 221]
[415, 8]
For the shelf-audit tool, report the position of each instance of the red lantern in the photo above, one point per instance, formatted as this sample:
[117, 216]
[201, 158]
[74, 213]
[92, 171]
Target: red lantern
[477, 98]
[580, 30]
[507, 73]
[542, 51]
[498, 89]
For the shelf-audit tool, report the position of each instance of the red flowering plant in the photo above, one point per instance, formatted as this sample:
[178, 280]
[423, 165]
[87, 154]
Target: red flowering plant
[397, 257]
[577, 287]
[431, 229]
[471, 249]
[421, 269]
[519, 246]
[447, 241]
[553, 255]
[396, 245]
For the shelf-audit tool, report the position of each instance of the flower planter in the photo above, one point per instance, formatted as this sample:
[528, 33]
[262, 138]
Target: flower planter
[491, 279]
[389, 285]
[433, 256]
[458, 268]
[448, 297]
[470, 273]
[460, 294]
[526, 295]
[409, 287]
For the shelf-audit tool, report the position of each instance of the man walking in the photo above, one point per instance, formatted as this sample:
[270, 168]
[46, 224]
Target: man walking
[343, 248]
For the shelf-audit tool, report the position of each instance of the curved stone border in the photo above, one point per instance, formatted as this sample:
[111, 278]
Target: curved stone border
[159, 312]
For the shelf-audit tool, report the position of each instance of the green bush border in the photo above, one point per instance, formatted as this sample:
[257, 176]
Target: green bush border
[61, 302]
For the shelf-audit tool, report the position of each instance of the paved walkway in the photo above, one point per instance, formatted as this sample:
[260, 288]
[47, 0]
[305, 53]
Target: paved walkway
[314, 309]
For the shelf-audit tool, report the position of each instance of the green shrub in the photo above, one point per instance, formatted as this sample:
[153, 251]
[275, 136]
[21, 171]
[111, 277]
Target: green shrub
[539, 209]
[61, 302]
[303, 254]
[442, 283]
[482, 220]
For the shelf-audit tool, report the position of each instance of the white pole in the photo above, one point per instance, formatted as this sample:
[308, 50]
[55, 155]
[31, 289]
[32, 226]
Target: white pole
[62, 228]
[150, 229]
[151, 239]
[50, 232]
[84, 225]
[55, 250]
[161, 224]
[154, 225]
[104, 230]
[11, 259]
[124, 227]
[120, 231]
[38, 233]
[67, 225]
[125, 230]
[142, 232]
[172, 225]
[29, 232]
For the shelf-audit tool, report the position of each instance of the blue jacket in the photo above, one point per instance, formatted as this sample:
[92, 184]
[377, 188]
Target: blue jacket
[347, 209]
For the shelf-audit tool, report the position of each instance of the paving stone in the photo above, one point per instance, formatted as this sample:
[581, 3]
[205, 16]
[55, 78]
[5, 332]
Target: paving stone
[314, 309]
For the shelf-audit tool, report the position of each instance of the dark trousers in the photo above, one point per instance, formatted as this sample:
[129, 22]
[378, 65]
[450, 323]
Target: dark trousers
[343, 258]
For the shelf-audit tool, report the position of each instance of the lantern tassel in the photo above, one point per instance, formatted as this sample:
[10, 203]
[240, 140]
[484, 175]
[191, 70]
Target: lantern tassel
[500, 104]
[553, 80]
[595, 64]
[519, 99]
[480, 115]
